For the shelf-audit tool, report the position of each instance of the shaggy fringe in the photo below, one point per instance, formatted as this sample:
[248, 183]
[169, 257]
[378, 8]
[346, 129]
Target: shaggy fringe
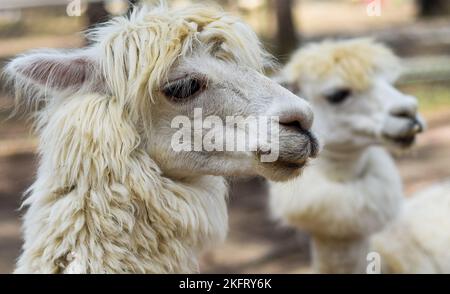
[356, 61]
[198, 28]
[134, 59]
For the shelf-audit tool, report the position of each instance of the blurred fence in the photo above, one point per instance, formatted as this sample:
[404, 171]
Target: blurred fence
[426, 69]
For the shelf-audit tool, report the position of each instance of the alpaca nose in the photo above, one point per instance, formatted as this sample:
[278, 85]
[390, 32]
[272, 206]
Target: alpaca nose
[295, 121]
[295, 118]
[407, 108]
[300, 120]
[295, 114]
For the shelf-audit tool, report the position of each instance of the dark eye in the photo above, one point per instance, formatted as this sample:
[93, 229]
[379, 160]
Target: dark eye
[182, 89]
[338, 96]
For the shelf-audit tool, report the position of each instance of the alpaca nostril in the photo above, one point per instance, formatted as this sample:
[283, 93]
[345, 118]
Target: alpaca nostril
[405, 111]
[403, 114]
[292, 111]
[299, 121]
[294, 125]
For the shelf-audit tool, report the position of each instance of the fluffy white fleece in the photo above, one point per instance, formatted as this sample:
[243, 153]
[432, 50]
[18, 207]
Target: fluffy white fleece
[344, 198]
[418, 241]
[100, 203]
[340, 204]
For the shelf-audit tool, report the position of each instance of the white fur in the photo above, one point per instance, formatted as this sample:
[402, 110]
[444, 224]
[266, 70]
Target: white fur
[99, 207]
[417, 242]
[353, 189]
[340, 201]
[111, 195]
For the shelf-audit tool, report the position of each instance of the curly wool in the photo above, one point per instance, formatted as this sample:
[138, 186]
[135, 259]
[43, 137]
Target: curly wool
[356, 61]
[417, 241]
[100, 203]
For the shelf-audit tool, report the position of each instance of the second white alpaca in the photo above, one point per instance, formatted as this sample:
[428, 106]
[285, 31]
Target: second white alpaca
[353, 189]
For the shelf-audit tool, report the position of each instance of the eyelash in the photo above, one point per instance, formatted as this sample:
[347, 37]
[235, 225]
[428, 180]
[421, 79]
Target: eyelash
[184, 88]
[338, 96]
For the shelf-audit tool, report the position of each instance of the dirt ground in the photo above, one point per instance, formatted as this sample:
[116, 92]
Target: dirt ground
[255, 243]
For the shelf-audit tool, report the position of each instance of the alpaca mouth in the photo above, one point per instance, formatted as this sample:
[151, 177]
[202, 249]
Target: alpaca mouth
[294, 153]
[313, 144]
[403, 142]
[408, 138]
[292, 165]
[285, 170]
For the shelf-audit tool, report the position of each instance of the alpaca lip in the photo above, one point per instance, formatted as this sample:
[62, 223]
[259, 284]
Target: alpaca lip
[403, 142]
[314, 143]
[295, 165]
[292, 165]
[408, 139]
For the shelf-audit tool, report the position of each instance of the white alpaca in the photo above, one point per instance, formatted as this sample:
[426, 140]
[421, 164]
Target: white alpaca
[111, 194]
[418, 240]
[353, 189]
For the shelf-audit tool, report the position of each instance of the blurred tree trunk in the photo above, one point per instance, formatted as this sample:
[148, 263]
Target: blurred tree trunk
[287, 38]
[429, 8]
[96, 13]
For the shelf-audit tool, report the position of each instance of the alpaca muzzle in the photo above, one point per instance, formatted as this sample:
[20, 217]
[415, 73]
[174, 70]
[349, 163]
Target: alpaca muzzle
[297, 146]
[402, 130]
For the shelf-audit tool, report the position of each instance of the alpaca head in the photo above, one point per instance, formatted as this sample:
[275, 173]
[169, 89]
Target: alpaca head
[160, 64]
[349, 85]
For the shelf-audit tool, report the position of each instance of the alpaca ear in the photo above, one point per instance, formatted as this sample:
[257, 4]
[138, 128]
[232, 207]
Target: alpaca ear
[54, 71]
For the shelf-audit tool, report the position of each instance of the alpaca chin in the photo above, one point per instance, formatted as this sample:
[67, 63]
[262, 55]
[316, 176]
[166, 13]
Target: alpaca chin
[281, 172]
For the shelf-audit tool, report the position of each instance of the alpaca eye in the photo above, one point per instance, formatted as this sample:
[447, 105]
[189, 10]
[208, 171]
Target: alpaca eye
[338, 96]
[182, 89]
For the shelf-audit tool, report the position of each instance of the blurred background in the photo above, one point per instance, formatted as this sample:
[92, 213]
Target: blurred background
[419, 31]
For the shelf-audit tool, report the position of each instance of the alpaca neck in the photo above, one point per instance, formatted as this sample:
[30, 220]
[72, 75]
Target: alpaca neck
[343, 166]
[370, 184]
[340, 256]
[341, 199]
[101, 204]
